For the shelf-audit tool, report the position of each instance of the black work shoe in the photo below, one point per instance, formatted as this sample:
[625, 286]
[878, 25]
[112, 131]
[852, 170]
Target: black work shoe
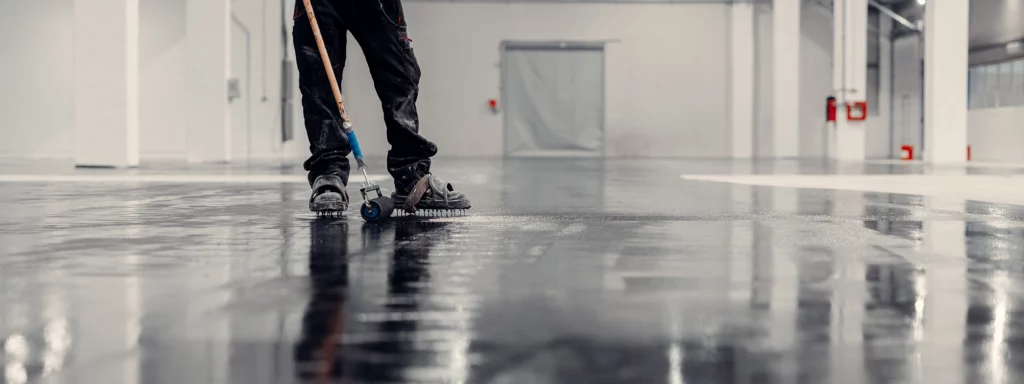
[329, 195]
[430, 192]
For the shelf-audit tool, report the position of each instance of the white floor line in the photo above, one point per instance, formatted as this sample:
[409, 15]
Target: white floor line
[172, 178]
[991, 188]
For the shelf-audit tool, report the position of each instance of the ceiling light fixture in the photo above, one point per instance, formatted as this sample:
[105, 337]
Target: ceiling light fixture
[921, 2]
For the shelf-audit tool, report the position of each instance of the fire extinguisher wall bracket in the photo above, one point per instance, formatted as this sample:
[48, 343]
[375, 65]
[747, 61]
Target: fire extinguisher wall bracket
[907, 152]
[857, 111]
[830, 109]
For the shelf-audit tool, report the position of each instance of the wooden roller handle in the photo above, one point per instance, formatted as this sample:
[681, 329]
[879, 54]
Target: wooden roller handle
[347, 124]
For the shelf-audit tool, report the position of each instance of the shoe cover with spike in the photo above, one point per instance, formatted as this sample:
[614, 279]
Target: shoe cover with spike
[329, 195]
[431, 192]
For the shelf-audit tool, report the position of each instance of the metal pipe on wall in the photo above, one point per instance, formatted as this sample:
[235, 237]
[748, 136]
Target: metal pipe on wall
[893, 15]
[286, 115]
[892, 94]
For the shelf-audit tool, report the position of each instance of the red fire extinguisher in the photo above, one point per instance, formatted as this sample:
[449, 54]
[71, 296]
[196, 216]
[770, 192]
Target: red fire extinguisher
[830, 109]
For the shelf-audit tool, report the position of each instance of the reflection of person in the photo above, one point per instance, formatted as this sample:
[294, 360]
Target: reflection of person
[407, 277]
[380, 354]
[323, 322]
[380, 28]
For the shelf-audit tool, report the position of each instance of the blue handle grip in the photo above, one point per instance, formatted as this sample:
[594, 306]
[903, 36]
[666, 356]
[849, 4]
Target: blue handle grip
[354, 143]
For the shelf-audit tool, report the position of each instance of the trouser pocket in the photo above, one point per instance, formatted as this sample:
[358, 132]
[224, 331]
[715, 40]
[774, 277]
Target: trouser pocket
[392, 11]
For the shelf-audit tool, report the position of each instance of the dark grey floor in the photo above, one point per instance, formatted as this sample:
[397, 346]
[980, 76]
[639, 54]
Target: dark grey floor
[565, 271]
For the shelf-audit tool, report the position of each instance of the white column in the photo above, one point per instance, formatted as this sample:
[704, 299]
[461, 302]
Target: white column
[786, 77]
[849, 80]
[207, 68]
[106, 88]
[742, 80]
[945, 81]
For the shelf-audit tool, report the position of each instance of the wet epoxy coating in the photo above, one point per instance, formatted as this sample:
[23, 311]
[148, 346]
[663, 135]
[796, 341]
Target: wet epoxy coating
[565, 271]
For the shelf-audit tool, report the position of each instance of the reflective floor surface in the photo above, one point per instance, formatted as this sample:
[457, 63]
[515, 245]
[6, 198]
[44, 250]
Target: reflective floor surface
[565, 271]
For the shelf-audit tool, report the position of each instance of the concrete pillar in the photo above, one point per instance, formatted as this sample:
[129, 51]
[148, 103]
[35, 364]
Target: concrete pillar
[742, 80]
[207, 68]
[786, 77]
[849, 75]
[106, 87]
[945, 81]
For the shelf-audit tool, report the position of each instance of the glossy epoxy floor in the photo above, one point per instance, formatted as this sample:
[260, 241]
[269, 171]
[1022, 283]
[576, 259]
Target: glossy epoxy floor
[566, 271]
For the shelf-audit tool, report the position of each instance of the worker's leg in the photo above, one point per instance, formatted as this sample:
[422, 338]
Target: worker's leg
[328, 164]
[380, 28]
[380, 31]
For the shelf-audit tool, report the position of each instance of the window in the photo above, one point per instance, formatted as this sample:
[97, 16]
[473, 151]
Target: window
[975, 97]
[872, 91]
[996, 85]
[1018, 81]
[1006, 94]
[992, 86]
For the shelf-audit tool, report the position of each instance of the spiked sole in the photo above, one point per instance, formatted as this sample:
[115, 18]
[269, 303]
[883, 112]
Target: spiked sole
[451, 206]
[329, 205]
[433, 212]
[330, 214]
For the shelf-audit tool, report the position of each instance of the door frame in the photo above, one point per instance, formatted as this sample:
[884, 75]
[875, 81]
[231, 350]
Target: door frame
[556, 45]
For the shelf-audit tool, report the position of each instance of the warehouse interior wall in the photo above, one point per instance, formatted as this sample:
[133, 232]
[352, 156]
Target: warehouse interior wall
[255, 63]
[37, 108]
[763, 134]
[162, 44]
[815, 79]
[666, 77]
[37, 103]
[879, 89]
[659, 102]
[256, 115]
[996, 103]
[907, 103]
[994, 134]
[996, 96]
[991, 132]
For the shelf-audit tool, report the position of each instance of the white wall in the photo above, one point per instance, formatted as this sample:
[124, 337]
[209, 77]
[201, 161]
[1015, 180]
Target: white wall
[763, 134]
[36, 104]
[37, 108]
[262, 140]
[879, 123]
[255, 131]
[667, 89]
[743, 64]
[907, 95]
[162, 79]
[815, 81]
[994, 134]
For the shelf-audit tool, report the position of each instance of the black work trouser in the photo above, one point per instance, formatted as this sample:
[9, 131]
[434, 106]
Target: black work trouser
[379, 26]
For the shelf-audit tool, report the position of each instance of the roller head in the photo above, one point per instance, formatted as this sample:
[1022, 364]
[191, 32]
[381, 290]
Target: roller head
[377, 210]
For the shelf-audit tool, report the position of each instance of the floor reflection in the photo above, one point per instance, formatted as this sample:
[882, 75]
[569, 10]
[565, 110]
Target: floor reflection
[324, 320]
[543, 186]
[395, 339]
[567, 273]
